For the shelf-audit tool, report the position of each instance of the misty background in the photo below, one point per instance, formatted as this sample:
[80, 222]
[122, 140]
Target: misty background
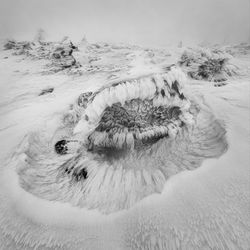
[142, 22]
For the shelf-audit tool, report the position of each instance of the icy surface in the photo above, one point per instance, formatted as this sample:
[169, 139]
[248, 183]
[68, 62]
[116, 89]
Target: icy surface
[207, 208]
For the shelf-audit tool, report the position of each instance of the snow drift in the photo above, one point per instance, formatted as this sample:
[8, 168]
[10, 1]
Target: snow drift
[71, 179]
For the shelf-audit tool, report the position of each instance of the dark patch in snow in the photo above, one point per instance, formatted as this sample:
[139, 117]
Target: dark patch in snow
[46, 91]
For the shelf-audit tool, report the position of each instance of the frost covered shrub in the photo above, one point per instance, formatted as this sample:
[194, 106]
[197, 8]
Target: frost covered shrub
[59, 55]
[18, 47]
[205, 64]
[239, 49]
[9, 44]
[62, 57]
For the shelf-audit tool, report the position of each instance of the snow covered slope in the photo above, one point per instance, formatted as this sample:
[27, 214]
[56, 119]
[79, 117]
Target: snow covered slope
[198, 205]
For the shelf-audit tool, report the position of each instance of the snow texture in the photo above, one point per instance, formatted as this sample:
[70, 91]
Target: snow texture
[202, 205]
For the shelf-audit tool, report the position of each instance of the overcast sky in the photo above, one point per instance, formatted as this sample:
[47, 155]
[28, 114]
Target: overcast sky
[145, 22]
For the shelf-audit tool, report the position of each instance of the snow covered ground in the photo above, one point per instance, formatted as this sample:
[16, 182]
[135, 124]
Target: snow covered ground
[206, 208]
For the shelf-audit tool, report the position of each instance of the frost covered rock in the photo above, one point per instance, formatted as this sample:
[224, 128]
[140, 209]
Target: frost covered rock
[137, 131]
[132, 163]
[20, 48]
[62, 56]
[206, 64]
[242, 49]
[10, 44]
[46, 91]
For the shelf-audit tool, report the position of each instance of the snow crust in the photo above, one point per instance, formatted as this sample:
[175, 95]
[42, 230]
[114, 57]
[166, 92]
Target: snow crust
[207, 208]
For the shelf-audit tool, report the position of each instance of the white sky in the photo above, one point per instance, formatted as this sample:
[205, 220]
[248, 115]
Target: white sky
[145, 22]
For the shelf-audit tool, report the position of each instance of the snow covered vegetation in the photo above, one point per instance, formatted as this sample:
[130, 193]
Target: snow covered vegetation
[115, 146]
[207, 64]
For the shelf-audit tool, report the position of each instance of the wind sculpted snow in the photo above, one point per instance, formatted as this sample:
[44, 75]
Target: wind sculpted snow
[124, 153]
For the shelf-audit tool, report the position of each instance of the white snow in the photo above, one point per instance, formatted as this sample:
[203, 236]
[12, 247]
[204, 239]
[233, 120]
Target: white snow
[207, 208]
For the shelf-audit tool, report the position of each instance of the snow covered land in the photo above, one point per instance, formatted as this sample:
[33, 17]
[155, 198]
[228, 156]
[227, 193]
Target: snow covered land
[115, 146]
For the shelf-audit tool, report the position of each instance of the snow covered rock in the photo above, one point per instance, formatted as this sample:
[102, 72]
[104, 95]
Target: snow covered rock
[77, 172]
[209, 65]
[20, 48]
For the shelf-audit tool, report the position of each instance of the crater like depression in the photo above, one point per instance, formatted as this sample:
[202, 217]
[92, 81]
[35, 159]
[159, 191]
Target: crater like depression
[117, 145]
